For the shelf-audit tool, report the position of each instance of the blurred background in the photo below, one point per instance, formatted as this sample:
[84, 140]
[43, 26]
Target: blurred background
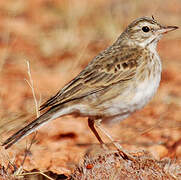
[58, 38]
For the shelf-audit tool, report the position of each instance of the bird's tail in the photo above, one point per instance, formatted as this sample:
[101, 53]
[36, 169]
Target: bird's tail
[31, 127]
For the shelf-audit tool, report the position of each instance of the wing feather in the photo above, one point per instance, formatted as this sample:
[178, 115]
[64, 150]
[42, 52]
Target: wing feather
[111, 66]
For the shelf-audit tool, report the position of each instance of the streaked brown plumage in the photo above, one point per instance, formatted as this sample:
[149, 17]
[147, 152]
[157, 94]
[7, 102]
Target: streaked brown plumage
[117, 82]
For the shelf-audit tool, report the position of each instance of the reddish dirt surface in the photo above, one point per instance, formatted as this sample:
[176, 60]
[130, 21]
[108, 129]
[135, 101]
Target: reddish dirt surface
[59, 38]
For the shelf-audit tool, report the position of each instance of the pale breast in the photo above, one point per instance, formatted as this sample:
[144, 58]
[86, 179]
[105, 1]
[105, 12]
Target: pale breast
[134, 99]
[141, 90]
[144, 92]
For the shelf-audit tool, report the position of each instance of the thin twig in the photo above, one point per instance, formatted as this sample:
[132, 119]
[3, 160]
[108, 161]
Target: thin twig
[31, 84]
[38, 172]
[19, 172]
[27, 150]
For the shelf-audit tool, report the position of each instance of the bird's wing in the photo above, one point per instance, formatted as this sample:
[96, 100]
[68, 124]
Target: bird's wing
[111, 66]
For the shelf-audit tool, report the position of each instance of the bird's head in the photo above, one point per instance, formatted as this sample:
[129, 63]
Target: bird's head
[146, 31]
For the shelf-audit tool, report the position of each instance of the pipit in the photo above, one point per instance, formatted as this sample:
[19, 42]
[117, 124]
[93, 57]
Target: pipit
[118, 81]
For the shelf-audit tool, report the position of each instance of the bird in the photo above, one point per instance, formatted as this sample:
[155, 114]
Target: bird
[117, 82]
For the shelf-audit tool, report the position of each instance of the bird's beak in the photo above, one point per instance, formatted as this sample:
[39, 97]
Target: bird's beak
[165, 29]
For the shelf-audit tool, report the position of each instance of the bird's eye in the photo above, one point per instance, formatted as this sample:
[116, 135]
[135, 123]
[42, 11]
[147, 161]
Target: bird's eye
[145, 29]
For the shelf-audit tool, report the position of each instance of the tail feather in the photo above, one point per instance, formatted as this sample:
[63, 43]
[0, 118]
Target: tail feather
[31, 127]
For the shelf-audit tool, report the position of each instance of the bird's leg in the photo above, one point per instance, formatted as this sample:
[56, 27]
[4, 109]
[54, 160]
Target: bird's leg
[91, 123]
[97, 123]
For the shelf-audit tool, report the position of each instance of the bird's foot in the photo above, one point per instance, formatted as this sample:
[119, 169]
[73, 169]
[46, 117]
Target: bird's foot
[125, 155]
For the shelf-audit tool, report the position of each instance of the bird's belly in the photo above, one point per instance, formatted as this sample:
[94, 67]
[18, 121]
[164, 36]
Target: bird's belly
[144, 92]
[132, 100]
